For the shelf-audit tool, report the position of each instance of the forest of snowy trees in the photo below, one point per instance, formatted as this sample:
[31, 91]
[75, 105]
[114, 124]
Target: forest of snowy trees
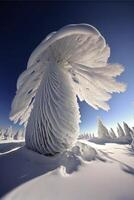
[11, 134]
[123, 135]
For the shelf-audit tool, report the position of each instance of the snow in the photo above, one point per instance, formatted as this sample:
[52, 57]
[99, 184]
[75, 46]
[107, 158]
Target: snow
[55, 109]
[120, 131]
[102, 130]
[104, 136]
[10, 134]
[70, 62]
[108, 175]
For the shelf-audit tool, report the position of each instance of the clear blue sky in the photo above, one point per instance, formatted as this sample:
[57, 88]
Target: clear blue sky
[23, 25]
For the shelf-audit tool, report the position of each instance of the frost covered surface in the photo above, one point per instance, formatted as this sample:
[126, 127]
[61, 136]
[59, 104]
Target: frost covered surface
[68, 176]
[72, 61]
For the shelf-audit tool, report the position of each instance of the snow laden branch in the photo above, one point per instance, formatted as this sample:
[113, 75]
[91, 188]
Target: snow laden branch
[68, 63]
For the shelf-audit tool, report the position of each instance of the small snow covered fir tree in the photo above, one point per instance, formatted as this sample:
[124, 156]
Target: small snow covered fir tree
[8, 133]
[93, 135]
[128, 132]
[20, 134]
[102, 130]
[120, 131]
[132, 144]
[16, 136]
[1, 134]
[112, 133]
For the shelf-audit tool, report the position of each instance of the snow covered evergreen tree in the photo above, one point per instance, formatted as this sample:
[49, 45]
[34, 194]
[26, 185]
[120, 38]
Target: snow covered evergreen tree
[120, 131]
[132, 144]
[102, 130]
[1, 134]
[6, 134]
[112, 133]
[10, 132]
[20, 134]
[93, 135]
[16, 136]
[128, 132]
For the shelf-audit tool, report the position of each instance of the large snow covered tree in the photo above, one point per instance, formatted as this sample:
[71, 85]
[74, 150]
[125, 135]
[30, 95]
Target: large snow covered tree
[68, 63]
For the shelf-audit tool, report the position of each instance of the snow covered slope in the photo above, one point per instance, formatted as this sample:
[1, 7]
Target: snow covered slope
[109, 174]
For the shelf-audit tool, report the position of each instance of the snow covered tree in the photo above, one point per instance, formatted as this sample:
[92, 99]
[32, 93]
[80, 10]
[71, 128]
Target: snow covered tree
[20, 134]
[120, 131]
[90, 136]
[16, 136]
[132, 144]
[1, 134]
[128, 130]
[112, 133]
[102, 130]
[87, 136]
[68, 63]
[6, 134]
[9, 133]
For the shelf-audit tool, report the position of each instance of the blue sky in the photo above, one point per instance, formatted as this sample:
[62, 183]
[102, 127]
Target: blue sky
[23, 25]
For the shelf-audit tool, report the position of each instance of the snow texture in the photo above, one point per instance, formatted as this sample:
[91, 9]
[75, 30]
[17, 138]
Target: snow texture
[20, 134]
[67, 175]
[112, 133]
[128, 131]
[68, 63]
[120, 131]
[102, 130]
[132, 144]
[8, 133]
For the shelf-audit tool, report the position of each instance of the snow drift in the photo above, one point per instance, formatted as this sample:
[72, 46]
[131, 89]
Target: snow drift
[67, 175]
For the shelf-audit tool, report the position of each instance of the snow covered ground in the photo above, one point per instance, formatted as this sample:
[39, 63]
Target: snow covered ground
[106, 173]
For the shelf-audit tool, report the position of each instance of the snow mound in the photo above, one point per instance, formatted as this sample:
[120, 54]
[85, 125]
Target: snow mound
[31, 164]
[72, 159]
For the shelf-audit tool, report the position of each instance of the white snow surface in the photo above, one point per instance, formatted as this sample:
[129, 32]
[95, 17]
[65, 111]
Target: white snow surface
[109, 174]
